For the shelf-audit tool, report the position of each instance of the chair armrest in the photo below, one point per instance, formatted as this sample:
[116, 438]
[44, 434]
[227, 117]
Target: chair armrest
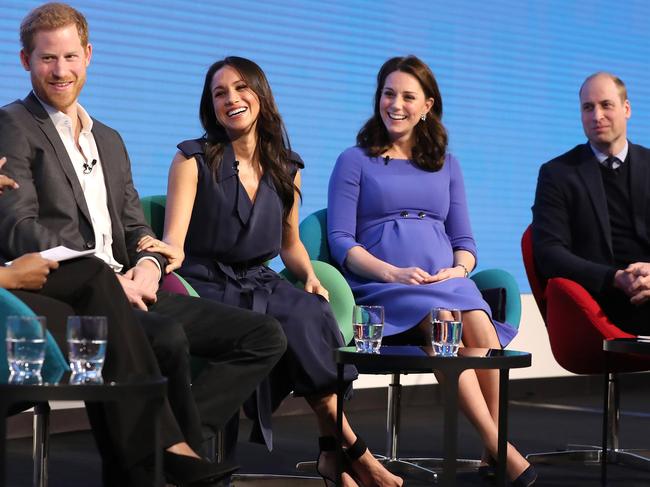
[341, 298]
[495, 278]
[175, 284]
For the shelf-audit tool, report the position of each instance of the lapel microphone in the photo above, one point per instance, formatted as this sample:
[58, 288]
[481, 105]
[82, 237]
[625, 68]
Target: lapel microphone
[235, 166]
[386, 160]
[88, 167]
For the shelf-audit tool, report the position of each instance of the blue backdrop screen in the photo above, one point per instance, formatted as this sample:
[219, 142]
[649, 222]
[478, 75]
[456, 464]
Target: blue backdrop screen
[509, 72]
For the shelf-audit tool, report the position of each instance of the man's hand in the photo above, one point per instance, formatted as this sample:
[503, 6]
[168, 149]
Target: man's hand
[639, 269]
[634, 281]
[5, 181]
[174, 255]
[29, 271]
[623, 280]
[140, 284]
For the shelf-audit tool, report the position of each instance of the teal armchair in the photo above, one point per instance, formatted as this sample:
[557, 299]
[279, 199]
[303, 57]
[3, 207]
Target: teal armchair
[54, 367]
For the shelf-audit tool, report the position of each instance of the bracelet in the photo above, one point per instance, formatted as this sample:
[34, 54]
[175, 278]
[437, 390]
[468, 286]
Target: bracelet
[464, 268]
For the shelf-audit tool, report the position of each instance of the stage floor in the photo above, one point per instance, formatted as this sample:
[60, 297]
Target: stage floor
[569, 415]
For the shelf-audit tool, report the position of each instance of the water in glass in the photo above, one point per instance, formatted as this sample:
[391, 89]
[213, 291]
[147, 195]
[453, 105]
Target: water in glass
[25, 343]
[446, 337]
[368, 326]
[367, 337]
[87, 337]
[87, 358]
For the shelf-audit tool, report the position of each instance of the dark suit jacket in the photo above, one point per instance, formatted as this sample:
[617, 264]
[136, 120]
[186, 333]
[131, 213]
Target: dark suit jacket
[571, 229]
[49, 209]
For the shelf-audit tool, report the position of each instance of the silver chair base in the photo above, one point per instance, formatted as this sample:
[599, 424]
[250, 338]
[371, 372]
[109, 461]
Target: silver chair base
[593, 455]
[403, 467]
[266, 480]
[421, 469]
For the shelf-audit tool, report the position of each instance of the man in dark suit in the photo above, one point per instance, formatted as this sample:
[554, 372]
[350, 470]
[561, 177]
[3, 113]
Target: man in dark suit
[591, 216]
[76, 190]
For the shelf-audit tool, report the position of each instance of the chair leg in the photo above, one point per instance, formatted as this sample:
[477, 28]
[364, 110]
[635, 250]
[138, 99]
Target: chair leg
[393, 416]
[41, 443]
[406, 467]
[593, 454]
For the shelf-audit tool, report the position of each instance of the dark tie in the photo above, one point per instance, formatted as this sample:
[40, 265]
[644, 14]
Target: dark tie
[612, 162]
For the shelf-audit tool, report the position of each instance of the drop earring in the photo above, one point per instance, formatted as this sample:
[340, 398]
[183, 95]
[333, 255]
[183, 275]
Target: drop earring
[423, 117]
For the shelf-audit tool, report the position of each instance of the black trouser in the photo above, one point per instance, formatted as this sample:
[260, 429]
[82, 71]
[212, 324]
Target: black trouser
[241, 347]
[628, 317]
[123, 430]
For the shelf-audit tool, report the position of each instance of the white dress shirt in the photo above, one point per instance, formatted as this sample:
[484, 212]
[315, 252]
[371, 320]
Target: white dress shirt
[602, 158]
[92, 183]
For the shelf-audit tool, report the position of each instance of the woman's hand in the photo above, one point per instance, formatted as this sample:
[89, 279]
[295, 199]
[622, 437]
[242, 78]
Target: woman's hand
[408, 275]
[174, 255]
[314, 286]
[5, 181]
[29, 271]
[448, 273]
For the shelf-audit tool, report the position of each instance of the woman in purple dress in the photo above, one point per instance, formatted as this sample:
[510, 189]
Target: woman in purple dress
[232, 204]
[399, 229]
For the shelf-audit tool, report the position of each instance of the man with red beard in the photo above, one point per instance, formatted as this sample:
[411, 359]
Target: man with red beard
[75, 189]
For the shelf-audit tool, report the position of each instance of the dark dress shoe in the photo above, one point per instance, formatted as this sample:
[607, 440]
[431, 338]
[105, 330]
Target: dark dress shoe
[489, 470]
[526, 479]
[185, 471]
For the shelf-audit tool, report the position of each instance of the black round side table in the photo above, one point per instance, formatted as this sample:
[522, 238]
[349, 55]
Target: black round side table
[414, 359]
[151, 389]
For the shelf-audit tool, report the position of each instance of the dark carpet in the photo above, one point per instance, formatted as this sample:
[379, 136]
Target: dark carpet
[539, 420]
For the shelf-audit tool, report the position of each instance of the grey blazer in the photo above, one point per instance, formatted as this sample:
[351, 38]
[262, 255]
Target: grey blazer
[49, 208]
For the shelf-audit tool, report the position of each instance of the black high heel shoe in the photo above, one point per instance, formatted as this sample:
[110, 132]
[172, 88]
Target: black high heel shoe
[325, 444]
[527, 478]
[185, 471]
[489, 470]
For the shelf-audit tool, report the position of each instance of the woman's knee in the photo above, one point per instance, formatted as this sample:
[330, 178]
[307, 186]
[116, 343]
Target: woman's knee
[478, 330]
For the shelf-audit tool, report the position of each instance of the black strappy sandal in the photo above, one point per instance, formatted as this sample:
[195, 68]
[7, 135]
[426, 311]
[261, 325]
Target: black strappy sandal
[357, 450]
[325, 444]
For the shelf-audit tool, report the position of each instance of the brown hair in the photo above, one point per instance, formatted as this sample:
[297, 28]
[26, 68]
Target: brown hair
[51, 16]
[273, 147]
[622, 90]
[430, 146]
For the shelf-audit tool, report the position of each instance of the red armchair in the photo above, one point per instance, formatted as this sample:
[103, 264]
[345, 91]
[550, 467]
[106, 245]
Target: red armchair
[576, 328]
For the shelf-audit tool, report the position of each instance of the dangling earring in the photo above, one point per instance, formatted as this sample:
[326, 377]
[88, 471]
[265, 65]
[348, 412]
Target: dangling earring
[423, 117]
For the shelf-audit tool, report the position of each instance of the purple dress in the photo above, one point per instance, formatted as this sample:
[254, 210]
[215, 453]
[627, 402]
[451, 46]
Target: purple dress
[408, 217]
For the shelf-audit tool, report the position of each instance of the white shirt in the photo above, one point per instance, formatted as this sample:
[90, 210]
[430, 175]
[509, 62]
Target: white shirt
[92, 183]
[602, 158]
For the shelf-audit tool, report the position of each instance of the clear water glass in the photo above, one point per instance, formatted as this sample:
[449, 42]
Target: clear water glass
[368, 325]
[87, 336]
[446, 331]
[25, 342]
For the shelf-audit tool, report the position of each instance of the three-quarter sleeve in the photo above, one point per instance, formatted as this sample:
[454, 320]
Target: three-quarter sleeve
[457, 224]
[342, 200]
